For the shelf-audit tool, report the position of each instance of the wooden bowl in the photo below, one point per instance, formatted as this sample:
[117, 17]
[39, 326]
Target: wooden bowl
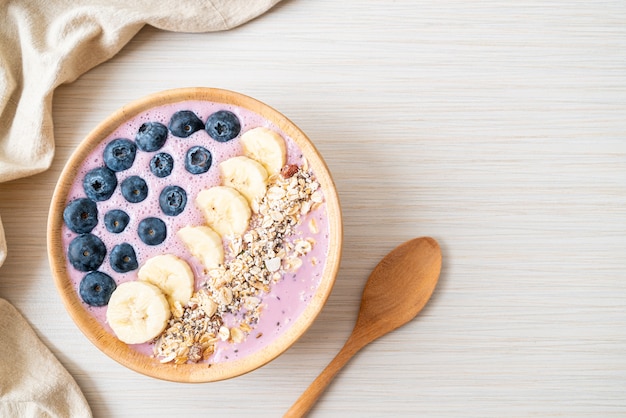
[145, 364]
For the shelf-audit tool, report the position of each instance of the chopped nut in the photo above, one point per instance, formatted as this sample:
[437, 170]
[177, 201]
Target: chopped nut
[305, 208]
[273, 264]
[277, 216]
[289, 170]
[275, 193]
[169, 358]
[208, 352]
[195, 353]
[237, 335]
[317, 197]
[302, 247]
[177, 309]
[207, 304]
[293, 264]
[225, 296]
[224, 333]
[251, 302]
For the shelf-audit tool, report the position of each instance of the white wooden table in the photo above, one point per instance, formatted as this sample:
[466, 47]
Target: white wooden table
[498, 128]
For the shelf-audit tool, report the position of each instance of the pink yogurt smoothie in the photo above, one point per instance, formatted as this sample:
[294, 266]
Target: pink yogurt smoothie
[287, 298]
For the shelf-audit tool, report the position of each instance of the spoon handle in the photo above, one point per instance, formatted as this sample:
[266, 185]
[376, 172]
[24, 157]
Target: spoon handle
[317, 387]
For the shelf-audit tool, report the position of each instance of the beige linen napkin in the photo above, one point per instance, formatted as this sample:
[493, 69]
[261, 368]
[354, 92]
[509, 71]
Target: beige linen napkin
[32, 381]
[44, 44]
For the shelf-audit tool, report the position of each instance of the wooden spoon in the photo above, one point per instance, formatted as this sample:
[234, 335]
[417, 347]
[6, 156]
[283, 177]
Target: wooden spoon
[395, 293]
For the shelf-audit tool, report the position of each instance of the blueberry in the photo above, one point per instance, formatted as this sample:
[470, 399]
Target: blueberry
[185, 123]
[151, 136]
[123, 258]
[134, 189]
[96, 288]
[173, 200]
[152, 231]
[162, 164]
[119, 154]
[81, 215]
[223, 126]
[198, 160]
[99, 184]
[86, 252]
[116, 220]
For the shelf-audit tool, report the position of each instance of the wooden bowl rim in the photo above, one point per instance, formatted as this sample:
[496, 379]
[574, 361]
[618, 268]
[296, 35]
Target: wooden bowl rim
[117, 350]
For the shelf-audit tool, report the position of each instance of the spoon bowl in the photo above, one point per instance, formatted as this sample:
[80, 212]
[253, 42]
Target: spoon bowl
[397, 290]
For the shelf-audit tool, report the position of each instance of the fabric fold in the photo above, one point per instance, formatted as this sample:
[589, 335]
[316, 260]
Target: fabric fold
[32, 381]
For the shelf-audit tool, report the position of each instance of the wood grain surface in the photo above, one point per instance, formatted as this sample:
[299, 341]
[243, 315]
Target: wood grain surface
[498, 128]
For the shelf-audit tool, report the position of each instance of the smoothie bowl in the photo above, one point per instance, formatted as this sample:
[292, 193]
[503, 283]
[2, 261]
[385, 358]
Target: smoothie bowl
[195, 235]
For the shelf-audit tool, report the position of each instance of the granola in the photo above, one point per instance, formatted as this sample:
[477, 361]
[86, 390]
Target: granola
[255, 260]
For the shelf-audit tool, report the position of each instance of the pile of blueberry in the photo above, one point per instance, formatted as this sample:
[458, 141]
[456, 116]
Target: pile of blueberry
[87, 252]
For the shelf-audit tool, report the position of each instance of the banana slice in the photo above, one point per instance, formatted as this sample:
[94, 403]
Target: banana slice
[137, 312]
[245, 175]
[265, 146]
[170, 274]
[225, 210]
[203, 243]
